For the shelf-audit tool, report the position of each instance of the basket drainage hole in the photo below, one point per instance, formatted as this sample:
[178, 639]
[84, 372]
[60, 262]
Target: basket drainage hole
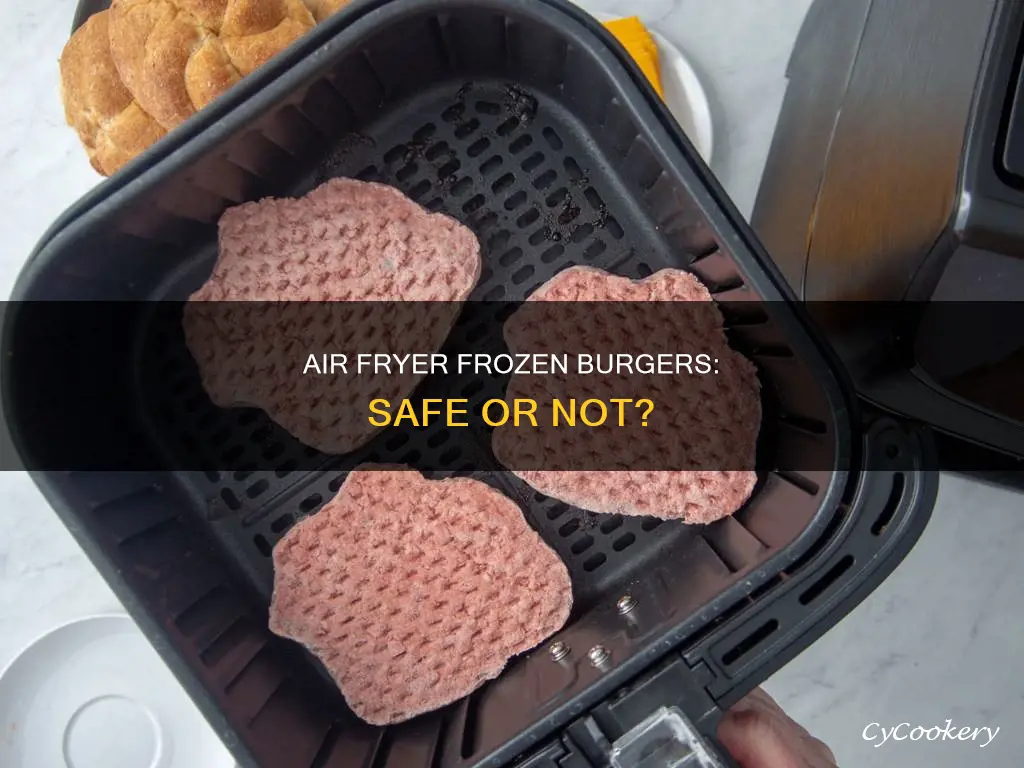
[748, 644]
[508, 126]
[520, 144]
[462, 186]
[831, 576]
[281, 524]
[448, 169]
[435, 151]
[257, 488]
[595, 249]
[488, 108]
[544, 181]
[582, 232]
[552, 253]
[474, 204]
[650, 524]
[893, 504]
[515, 201]
[467, 128]
[593, 198]
[556, 197]
[528, 218]
[487, 221]
[569, 528]
[230, 499]
[892, 451]
[623, 541]
[453, 113]
[511, 257]
[490, 165]
[407, 172]
[523, 274]
[396, 153]
[553, 139]
[310, 503]
[503, 183]
[424, 133]
[420, 189]
[532, 162]
[369, 173]
[572, 168]
[540, 236]
[263, 545]
[614, 228]
[478, 147]
[594, 562]
[556, 511]
[582, 545]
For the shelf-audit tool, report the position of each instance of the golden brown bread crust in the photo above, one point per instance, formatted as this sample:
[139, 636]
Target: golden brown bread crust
[321, 9]
[176, 56]
[111, 125]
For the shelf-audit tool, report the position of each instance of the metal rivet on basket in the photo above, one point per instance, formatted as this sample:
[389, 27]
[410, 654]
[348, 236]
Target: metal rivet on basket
[598, 655]
[626, 604]
[558, 650]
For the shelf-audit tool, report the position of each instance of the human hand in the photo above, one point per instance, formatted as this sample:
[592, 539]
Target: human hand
[758, 734]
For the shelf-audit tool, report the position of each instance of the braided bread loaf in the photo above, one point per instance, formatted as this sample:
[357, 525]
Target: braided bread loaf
[176, 56]
[321, 9]
[109, 122]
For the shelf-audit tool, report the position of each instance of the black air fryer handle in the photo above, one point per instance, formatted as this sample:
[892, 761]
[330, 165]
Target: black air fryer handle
[667, 713]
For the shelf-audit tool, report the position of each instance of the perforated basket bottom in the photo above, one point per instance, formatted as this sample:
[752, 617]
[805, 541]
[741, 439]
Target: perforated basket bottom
[520, 171]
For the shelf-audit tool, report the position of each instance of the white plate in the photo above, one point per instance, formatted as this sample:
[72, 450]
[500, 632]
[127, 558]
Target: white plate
[94, 694]
[684, 95]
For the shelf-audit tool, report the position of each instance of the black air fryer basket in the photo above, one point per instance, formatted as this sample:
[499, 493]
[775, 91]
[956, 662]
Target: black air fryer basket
[486, 110]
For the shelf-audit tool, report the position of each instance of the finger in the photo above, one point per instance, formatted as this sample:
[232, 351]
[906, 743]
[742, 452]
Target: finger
[759, 701]
[823, 755]
[755, 740]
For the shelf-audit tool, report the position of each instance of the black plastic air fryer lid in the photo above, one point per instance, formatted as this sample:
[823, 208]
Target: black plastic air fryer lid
[777, 589]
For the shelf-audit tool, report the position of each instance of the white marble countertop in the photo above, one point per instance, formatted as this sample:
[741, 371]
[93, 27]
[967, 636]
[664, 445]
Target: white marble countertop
[935, 642]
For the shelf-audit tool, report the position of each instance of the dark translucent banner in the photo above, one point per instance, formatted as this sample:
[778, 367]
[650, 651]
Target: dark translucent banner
[555, 386]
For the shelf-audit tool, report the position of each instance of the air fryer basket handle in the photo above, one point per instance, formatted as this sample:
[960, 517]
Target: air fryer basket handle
[885, 510]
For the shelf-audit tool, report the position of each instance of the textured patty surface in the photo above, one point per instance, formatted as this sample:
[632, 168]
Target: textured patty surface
[414, 592]
[709, 423]
[351, 267]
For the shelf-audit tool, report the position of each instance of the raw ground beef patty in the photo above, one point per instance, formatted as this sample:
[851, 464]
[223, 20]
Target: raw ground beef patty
[413, 592]
[707, 424]
[351, 267]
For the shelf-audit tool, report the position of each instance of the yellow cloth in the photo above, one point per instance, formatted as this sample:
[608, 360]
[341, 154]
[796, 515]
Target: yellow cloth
[641, 46]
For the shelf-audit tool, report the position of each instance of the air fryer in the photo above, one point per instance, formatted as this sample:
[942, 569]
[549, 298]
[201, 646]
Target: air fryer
[895, 181]
[711, 611]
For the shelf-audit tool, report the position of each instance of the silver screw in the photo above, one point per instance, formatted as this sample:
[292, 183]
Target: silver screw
[598, 655]
[626, 604]
[558, 650]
